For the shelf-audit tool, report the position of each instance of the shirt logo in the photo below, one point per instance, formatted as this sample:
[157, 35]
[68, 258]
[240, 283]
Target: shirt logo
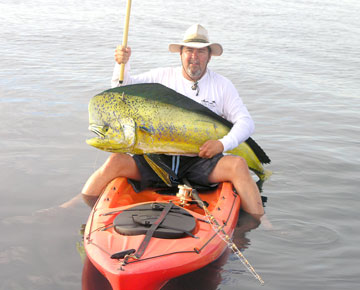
[209, 104]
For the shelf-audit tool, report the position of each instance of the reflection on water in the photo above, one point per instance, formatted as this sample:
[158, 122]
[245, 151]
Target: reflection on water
[92, 279]
[207, 278]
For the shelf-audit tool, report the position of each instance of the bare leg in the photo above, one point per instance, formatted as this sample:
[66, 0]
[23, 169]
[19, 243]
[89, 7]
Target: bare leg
[235, 170]
[115, 166]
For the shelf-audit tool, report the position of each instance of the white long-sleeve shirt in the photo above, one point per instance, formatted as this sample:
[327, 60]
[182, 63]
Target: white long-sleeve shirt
[214, 91]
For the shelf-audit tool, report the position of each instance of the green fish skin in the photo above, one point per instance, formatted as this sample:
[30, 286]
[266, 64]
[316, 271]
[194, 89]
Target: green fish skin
[151, 118]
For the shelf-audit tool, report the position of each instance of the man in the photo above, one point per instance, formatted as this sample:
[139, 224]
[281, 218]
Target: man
[194, 80]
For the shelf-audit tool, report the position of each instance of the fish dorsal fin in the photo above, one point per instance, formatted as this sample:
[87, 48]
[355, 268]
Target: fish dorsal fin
[161, 93]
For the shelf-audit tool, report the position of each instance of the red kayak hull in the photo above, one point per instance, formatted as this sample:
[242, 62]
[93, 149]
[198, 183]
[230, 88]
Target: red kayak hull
[163, 259]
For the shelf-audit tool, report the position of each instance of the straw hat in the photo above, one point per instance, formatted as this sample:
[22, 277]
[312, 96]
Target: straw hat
[197, 37]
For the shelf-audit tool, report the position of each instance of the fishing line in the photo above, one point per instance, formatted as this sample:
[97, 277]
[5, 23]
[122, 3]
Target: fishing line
[219, 230]
[232, 246]
[96, 160]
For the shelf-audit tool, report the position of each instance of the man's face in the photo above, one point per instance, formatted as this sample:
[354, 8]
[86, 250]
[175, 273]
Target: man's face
[195, 61]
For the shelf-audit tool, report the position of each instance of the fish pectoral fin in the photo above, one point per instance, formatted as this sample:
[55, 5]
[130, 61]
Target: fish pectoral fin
[145, 129]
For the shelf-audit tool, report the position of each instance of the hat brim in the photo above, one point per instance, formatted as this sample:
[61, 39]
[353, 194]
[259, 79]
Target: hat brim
[216, 48]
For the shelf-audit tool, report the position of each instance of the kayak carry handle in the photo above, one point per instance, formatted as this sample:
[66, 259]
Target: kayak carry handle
[122, 254]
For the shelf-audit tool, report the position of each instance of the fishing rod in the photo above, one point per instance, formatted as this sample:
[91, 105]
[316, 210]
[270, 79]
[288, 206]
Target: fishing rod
[219, 229]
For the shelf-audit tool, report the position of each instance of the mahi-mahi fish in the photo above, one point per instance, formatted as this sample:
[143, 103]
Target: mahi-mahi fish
[154, 119]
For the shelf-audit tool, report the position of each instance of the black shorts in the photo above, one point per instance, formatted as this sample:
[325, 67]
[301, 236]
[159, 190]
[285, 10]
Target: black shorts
[195, 169]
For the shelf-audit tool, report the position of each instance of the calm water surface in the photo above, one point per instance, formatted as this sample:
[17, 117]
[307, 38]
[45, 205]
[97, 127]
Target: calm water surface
[295, 63]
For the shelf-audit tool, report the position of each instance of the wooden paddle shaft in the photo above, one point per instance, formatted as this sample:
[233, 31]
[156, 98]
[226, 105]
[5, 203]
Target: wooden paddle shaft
[125, 38]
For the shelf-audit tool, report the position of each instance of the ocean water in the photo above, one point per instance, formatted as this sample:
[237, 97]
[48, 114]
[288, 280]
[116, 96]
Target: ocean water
[296, 65]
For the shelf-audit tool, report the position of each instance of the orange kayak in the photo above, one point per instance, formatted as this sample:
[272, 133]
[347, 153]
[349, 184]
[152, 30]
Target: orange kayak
[142, 240]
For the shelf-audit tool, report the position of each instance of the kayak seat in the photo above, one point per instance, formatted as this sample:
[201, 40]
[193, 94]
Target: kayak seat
[137, 220]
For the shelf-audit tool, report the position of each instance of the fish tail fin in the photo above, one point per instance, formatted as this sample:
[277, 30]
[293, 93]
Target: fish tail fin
[262, 178]
[266, 175]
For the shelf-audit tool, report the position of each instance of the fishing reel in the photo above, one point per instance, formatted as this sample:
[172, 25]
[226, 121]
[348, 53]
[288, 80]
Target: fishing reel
[184, 194]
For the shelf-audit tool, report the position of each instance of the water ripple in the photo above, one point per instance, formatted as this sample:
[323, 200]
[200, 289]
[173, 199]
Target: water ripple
[302, 232]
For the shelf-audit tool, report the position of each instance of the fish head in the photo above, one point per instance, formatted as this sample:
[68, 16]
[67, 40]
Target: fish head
[115, 135]
[110, 121]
